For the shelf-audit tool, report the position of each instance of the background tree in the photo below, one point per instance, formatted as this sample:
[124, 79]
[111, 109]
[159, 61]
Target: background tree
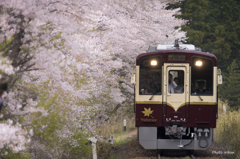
[229, 89]
[213, 25]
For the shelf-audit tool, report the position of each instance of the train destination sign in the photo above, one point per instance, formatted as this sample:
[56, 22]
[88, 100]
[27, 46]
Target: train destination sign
[176, 57]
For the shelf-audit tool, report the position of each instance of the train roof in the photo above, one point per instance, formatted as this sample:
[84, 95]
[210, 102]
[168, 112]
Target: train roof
[172, 47]
[189, 52]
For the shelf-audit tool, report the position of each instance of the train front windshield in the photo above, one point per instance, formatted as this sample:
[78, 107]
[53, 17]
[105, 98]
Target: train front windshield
[150, 76]
[202, 77]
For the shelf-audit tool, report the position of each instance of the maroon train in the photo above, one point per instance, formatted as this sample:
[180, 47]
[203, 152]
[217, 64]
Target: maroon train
[176, 97]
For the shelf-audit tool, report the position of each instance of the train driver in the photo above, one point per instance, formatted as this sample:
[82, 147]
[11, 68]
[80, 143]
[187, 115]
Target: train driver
[178, 89]
[171, 84]
[200, 88]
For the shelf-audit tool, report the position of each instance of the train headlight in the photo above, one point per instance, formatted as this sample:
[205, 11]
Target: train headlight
[198, 63]
[154, 63]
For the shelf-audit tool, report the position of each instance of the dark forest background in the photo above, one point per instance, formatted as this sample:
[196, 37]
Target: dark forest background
[214, 26]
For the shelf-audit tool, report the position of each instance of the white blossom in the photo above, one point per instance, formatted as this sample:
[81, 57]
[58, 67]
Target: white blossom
[85, 51]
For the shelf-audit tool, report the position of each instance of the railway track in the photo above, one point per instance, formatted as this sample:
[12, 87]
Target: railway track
[187, 155]
[179, 157]
[191, 156]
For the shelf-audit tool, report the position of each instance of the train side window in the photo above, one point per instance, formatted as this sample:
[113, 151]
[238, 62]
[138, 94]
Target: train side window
[150, 76]
[202, 76]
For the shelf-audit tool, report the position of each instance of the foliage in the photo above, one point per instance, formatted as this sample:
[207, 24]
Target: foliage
[13, 44]
[9, 154]
[53, 128]
[227, 131]
[114, 124]
[213, 26]
[229, 90]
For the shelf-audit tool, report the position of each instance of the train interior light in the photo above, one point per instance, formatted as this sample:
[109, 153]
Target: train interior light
[154, 63]
[198, 63]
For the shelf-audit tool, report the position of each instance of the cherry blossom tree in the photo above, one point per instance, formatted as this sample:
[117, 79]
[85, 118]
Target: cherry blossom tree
[72, 62]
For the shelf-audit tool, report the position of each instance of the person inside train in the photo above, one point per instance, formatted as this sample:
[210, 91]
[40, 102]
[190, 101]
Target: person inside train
[178, 89]
[200, 88]
[145, 87]
[150, 83]
[171, 84]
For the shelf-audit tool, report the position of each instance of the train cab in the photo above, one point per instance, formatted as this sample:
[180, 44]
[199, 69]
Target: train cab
[176, 97]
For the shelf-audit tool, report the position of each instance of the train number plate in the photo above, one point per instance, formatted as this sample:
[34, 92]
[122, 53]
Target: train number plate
[176, 57]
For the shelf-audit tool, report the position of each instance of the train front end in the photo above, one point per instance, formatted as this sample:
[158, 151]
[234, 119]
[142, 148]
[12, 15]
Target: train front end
[176, 97]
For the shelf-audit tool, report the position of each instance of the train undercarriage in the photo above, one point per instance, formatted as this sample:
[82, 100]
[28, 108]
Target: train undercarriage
[175, 138]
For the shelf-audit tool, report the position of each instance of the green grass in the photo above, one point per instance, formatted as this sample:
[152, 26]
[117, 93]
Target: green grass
[114, 157]
[114, 127]
[121, 142]
[227, 131]
[119, 139]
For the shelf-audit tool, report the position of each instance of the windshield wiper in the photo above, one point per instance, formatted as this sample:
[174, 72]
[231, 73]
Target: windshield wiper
[199, 97]
[151, 97]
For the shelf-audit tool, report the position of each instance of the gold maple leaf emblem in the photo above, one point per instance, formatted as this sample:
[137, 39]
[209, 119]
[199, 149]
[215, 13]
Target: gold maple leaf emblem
[147, 112]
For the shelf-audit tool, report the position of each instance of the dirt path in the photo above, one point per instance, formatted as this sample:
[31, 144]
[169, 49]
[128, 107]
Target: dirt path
[130, 134]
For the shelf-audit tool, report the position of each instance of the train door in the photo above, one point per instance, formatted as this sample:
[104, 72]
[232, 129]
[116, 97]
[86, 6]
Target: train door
[176, 93]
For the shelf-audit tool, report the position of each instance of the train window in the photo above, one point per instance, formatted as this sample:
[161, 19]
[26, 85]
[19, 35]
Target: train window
[176, 81]
[202, 76]
[150, 76]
